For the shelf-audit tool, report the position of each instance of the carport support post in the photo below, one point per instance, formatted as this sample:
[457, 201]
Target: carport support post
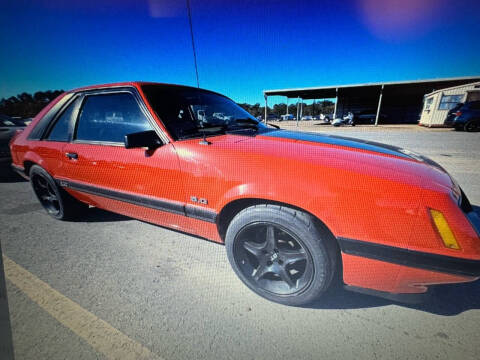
[336, 102]
[379, 106]
[298, 110]
[301, 109]
[266, 107]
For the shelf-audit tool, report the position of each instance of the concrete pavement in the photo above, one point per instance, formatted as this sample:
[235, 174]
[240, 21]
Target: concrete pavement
[176, 297]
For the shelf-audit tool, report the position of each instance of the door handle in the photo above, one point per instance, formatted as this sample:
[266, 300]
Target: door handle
[71, 156]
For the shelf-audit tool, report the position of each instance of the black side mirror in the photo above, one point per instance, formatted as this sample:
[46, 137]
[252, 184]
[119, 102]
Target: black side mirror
[148, 139]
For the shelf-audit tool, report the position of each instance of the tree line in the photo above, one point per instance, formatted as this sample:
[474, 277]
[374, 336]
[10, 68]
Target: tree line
[25, 105]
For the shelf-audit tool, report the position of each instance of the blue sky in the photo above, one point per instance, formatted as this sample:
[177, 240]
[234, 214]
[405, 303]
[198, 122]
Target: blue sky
[243, 47]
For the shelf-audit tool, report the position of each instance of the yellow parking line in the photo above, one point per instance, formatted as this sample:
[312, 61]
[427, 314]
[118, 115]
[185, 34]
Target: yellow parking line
[101, 336]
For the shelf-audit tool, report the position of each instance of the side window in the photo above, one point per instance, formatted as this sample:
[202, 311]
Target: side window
[109, 117]
[61, 129]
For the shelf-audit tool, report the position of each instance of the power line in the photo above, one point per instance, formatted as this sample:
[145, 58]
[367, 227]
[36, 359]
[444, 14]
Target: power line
[193, 42]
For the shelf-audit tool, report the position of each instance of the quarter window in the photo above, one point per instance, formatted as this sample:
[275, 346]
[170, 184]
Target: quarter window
[61, 129]
[449, 101]
[109, 117]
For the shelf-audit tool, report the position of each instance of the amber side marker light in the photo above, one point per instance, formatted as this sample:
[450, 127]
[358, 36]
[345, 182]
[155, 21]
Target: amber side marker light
[444, 230]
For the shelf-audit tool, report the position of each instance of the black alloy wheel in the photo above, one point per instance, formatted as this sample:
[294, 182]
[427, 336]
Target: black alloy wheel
[273, 259]
[46, 194]
[282, 254]
[472, 125]
[56, 201]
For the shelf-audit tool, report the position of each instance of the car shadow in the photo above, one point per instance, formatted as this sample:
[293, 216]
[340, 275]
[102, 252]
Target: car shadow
[94, 215]
[7, 175]
[445, 300]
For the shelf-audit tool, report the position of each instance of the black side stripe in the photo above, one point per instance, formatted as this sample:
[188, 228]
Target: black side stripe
[175, 207]
[414, 259]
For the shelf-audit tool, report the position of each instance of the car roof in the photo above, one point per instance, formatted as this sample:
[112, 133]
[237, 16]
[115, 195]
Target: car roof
[137, 84]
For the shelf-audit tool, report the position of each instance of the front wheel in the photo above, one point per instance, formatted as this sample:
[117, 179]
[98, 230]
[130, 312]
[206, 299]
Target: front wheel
[281, 254]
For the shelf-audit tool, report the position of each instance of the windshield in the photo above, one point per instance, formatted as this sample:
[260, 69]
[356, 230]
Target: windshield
[188, 112]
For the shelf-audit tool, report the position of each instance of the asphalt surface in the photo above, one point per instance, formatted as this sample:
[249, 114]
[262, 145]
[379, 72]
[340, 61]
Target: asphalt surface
[174, 296]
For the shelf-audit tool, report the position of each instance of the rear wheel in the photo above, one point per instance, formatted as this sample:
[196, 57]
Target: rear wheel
[472, 125]
[56, 201]
[280, 254]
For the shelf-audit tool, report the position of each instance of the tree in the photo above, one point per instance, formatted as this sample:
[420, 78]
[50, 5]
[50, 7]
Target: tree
[25, 105]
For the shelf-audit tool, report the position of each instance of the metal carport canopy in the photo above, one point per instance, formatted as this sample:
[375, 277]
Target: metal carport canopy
[325, 92]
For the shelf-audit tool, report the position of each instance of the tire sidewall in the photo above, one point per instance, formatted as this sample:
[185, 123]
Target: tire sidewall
[467, 125]
[39, 171]
[309, 237]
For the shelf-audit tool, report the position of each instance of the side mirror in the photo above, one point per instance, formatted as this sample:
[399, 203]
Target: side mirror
[148, 139]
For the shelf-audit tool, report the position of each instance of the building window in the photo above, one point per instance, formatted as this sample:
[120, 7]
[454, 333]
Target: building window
[449, 101]
[428, 104]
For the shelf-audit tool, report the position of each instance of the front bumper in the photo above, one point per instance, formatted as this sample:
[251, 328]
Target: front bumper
[409, 258]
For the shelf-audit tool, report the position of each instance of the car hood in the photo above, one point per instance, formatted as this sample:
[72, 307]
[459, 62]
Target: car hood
[386, 155]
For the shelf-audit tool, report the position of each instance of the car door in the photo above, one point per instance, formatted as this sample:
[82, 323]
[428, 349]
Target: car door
[141, 183]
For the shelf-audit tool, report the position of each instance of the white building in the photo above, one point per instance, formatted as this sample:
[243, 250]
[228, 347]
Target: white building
[437, 103]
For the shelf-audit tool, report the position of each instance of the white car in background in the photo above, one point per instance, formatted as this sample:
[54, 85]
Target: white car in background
[326, 117]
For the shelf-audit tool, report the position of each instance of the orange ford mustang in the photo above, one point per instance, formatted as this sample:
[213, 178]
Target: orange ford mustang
[295, 210]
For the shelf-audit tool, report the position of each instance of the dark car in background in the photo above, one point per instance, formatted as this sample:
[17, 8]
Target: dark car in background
[8, 127]
[368, 116]
[273, 117]
[467, 117]
[452, 114]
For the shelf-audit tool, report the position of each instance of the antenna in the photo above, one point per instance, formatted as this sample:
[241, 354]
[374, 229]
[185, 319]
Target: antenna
[193, 42]
[204, 141]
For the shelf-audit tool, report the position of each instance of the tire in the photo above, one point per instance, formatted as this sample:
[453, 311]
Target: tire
[280, 254]
[56, 201]
[471, 126]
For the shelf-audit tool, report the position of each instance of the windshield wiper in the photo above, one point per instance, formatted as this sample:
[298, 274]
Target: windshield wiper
[202, 131]
[246, 121]
[252, 124]
[240, 124]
